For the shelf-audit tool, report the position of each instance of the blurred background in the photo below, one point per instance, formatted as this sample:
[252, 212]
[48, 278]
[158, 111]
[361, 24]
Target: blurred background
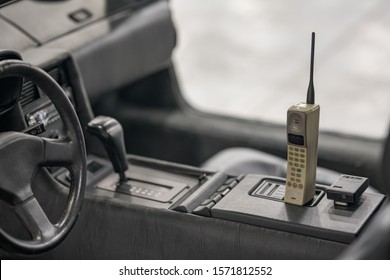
[250, 59]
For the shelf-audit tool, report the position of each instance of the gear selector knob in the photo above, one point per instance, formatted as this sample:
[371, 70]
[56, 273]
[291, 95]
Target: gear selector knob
[110, 133]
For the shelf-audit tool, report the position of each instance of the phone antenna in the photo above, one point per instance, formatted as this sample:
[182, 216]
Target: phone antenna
[310, 90]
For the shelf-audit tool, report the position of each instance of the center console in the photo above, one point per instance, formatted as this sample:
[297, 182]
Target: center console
[247, 199]
[251, 199]
[258, 200]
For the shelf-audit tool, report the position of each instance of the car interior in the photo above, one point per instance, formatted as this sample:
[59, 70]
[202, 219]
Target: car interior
[103, 158]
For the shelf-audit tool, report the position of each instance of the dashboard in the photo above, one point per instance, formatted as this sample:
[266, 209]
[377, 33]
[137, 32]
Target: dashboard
[79, 42]
[40, 115]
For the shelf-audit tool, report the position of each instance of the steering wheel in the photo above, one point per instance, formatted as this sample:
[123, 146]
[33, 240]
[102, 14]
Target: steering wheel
[21, 155]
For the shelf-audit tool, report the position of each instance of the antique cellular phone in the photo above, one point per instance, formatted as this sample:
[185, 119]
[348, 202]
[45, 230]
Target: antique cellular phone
[302, 137]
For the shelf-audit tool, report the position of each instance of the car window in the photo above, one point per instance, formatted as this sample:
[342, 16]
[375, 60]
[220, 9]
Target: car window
[250, 59]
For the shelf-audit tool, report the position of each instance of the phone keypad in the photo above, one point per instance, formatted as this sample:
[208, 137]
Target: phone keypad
[296, 167]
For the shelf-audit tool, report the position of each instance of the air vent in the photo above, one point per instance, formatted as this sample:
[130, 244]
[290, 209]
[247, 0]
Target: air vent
[55, 74]
[29, 93]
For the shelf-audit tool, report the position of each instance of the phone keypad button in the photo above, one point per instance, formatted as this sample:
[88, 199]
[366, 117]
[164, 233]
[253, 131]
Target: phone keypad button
[296, 165]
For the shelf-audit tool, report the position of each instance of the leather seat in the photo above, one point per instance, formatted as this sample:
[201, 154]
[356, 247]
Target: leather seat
[374, 244]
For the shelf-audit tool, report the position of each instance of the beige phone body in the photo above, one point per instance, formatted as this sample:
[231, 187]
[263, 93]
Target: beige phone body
[302, 136]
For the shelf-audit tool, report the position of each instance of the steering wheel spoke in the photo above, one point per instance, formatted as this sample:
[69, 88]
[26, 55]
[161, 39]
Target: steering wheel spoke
[35, 220]
[58, 152]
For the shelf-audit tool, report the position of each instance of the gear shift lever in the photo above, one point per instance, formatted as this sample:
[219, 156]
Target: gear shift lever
[110, 133]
